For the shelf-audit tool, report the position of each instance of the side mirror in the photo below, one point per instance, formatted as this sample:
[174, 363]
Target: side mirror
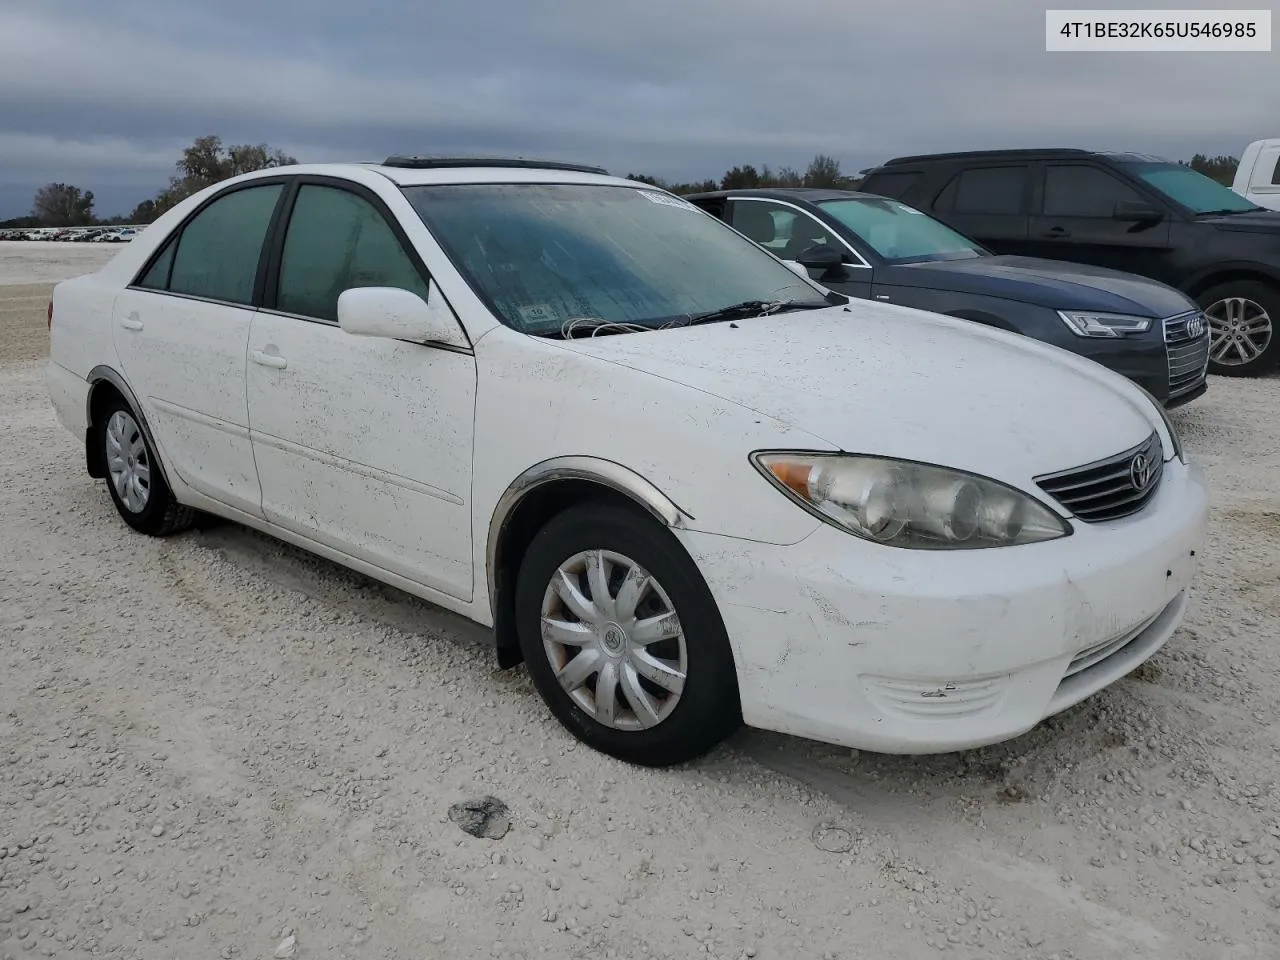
[822, 256]
[398, 314]
[1137, 211]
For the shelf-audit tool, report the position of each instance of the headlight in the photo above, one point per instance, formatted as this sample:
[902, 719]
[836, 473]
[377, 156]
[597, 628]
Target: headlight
[904, 504]
[1085, 323]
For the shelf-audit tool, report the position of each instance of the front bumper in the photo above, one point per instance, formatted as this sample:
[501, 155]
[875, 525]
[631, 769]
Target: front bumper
[1165, 362]
[906, 651]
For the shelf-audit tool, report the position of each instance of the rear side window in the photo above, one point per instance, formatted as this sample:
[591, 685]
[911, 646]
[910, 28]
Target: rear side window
[985, 190]
[157, 278]
[892, 185]
[1275, 174]
[1075, 190]
[218, 251]
[338, 240]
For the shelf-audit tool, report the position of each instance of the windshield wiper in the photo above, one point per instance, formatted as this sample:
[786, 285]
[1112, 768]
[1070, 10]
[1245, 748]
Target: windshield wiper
[1228, 210]
[751, 308]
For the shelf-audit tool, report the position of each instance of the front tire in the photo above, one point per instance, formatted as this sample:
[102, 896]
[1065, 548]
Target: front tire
[1242, 319]
[134, 478]
[623, 639]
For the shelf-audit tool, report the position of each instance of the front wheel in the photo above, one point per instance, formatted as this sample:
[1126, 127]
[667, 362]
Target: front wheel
[1242, 317]
[623, 639]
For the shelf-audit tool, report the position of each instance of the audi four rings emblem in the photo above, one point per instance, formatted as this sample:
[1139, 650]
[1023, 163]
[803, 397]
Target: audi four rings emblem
[1195, 327]
[1140, 472]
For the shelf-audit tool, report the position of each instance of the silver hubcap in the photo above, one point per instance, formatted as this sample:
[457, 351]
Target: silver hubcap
[1241, 331]
[127, 462]
[614, 640]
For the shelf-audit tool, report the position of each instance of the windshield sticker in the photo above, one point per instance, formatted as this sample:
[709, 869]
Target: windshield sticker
[667, 200]
[537, 314]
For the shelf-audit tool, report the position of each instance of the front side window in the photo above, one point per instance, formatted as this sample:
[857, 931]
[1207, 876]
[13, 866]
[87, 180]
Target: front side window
[337, 240]
[543, 254]
[899, 233]
[783, 231]
[1075, 190]
[218, 251]
[1191, 189]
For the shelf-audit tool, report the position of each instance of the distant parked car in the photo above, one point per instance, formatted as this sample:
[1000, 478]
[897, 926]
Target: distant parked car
[881, 249]
[686, 486]
[1258, 175]
[1127, 211]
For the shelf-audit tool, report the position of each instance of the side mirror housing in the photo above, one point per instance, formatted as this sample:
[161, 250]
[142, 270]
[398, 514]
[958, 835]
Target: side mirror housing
[397, 314]
[822, 256]
[1137, 211]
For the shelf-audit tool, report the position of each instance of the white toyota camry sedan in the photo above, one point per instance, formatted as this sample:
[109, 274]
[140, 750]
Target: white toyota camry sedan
[687, 486]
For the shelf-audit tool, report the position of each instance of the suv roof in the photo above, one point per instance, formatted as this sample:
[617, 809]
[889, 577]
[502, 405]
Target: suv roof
[1033, 153]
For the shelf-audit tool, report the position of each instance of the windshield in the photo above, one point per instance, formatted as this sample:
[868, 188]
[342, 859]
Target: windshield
[541, 255]
[899, 233]
[1191, 189]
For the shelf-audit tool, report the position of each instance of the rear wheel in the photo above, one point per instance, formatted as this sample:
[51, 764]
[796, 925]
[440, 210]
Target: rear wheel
[623, 639]
[134, 478]
[1242, 318]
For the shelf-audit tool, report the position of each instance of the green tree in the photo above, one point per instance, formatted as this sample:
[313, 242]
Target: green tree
[824, 171]
[207, 162]
[1220, 168]
[63, 205]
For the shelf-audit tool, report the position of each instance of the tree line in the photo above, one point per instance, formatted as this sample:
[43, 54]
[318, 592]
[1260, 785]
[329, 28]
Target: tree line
[208, 161]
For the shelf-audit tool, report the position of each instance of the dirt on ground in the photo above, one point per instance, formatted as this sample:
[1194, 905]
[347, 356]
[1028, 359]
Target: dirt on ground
[219, 746]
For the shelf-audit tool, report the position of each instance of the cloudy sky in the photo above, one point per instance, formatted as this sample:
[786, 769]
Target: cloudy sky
[105, 93]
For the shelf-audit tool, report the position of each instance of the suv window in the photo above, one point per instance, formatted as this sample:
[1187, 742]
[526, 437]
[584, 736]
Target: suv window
[893, 185]
[780, 230]
[337, 240]
[1075, 190]
[985, 190]
[218, 251]
[1275, 174]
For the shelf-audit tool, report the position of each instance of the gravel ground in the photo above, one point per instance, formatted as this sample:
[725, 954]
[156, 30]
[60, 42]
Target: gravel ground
[219, 746]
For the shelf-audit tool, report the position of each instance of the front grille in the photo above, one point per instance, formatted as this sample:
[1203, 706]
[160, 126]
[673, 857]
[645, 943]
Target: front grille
[1107, 489]
[1188, 354]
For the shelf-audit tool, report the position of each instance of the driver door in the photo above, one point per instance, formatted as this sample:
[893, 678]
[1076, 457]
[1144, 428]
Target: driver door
[363, 444]
[787, 232]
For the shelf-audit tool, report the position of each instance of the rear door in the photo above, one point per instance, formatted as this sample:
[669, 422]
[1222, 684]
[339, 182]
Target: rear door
[990, 203]
[1076, 220]
[181, 332]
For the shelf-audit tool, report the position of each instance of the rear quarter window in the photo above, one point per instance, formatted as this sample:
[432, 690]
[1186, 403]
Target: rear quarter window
[891, 185]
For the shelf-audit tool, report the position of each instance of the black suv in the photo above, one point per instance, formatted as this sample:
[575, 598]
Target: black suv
[1126, 211]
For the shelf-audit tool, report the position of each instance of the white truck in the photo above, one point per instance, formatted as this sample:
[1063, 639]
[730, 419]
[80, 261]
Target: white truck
[1258, 175]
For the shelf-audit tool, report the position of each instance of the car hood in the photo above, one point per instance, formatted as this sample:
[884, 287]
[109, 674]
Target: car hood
[1055, 284]
[1255, 221]
[892, 381]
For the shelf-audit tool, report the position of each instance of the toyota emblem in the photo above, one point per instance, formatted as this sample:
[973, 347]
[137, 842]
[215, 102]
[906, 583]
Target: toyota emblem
[1140, 472]
[1195, 327]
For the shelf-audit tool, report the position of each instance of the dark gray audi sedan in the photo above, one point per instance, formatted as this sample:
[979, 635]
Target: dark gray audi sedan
[881, 249]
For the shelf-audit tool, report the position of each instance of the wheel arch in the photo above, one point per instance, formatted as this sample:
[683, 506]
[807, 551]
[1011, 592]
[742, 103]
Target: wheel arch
[1227, 274]
[533, 498]
[103, 382]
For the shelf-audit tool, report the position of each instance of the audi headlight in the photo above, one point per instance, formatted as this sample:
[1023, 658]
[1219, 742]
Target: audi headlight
[905, 504]
[1087, 323]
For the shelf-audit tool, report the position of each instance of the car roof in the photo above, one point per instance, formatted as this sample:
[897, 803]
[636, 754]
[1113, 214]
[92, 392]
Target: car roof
[459, 170]
[809, 194]
[1034, 153]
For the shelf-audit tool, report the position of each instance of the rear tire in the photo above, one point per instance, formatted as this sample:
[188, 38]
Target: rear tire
[1242, 319]
[134, 478]
[638, 667]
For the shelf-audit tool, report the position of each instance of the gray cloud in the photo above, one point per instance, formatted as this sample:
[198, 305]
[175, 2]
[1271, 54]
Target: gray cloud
[109, 93]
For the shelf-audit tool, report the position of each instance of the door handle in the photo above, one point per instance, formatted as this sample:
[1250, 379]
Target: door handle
[272, 360]
[1056, 232]
[131, 322]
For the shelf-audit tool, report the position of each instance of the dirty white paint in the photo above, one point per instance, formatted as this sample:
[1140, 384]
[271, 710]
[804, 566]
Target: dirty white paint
[392, 457]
